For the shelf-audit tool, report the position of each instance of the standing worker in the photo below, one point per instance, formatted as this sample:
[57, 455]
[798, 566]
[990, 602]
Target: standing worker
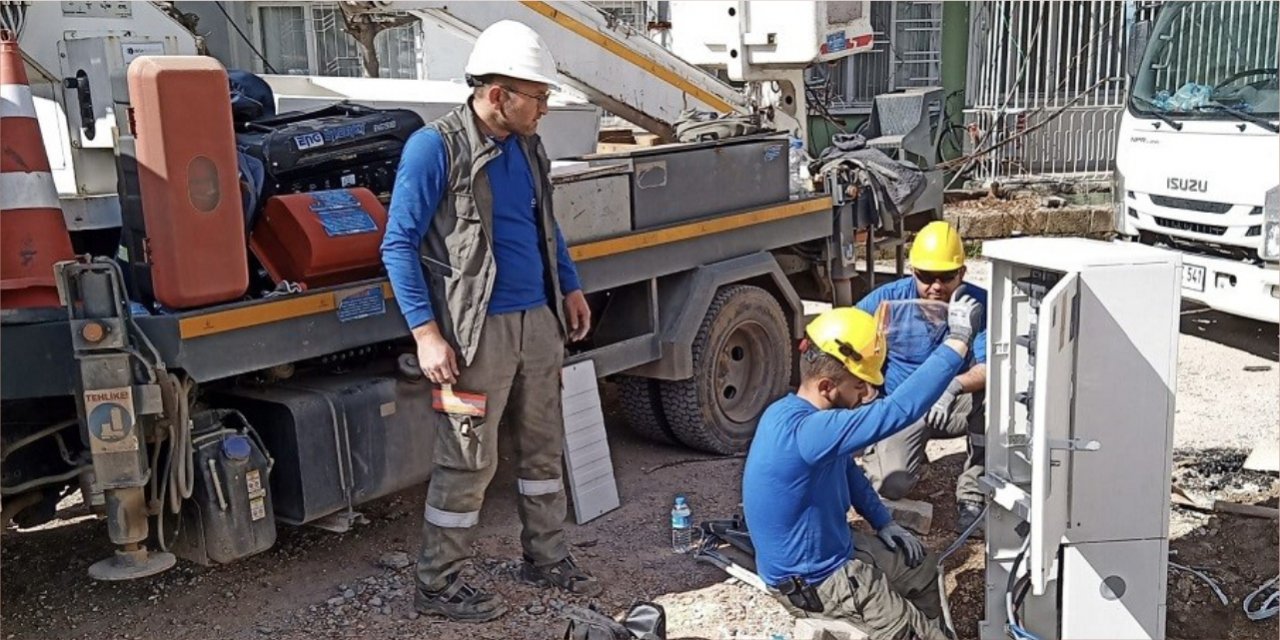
[800, 480]
[484, 279]
[937, 265]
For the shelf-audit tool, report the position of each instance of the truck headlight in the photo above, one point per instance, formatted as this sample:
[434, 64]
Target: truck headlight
[1270, 249]
[1117, 199]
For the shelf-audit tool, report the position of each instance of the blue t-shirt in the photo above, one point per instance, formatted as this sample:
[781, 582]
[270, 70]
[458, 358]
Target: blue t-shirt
[913, 339]
[421, 181]
[800, 478]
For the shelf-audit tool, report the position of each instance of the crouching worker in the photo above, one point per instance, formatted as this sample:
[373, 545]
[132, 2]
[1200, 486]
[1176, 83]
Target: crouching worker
[800, 480]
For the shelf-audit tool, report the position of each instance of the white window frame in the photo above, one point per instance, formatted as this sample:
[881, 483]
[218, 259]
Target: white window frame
[313, 57]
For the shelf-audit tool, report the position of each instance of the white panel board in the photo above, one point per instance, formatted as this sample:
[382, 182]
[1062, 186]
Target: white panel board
[586, 446]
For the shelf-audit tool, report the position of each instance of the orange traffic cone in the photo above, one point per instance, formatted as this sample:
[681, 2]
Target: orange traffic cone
[33, 233]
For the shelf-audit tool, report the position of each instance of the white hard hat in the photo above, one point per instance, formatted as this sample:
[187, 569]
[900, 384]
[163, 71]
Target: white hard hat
[514, 50]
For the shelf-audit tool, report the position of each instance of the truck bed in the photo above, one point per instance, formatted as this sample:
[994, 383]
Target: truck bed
[236, 338]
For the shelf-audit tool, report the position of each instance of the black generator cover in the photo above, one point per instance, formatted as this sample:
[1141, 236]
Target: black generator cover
[333, 147]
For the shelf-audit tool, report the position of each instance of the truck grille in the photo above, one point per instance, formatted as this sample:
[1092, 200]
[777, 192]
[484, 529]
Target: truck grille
[1202, 206]
[1194, 227]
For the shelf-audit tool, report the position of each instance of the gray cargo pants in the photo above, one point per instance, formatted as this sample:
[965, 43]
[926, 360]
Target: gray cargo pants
[517, 364]
[879, 594]
[893, 465]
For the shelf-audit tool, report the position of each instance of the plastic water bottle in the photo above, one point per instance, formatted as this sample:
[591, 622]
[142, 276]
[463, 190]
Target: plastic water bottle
[681, 526]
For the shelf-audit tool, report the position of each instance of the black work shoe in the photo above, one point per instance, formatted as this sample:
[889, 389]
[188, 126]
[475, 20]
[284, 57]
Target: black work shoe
[459, 602]
[966, 514]
[564, 574]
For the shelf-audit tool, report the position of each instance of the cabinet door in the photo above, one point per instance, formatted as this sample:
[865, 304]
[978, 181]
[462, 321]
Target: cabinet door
[1050, 425]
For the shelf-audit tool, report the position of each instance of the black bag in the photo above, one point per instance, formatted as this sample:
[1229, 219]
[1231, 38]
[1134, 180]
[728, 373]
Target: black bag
[644, 621]
[585, 623]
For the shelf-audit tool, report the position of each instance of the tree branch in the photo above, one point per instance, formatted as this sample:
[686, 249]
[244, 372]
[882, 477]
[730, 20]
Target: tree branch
[364, 28]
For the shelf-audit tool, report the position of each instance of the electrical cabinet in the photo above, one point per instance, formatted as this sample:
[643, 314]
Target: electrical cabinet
[1080, 395]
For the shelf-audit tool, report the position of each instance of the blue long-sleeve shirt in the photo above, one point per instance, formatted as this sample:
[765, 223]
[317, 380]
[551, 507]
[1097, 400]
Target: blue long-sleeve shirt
[421, 181]
[911, 338]
[800, 479]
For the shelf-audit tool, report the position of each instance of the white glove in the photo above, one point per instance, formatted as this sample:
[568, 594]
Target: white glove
[940, 413]
[965, 316]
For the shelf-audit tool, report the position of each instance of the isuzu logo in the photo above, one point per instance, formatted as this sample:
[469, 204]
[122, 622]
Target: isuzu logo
[1188, 184]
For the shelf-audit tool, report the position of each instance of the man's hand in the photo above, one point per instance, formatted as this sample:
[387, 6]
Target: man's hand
[941, 411]
[965, 317]
[578, 313]
[893, 536]
[435, 356]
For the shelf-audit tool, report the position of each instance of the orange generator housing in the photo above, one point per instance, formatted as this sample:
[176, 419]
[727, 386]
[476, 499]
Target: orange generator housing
[188, 182]
[321, 238]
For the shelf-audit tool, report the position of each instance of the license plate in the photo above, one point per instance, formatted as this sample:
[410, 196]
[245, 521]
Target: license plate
[1192, 277]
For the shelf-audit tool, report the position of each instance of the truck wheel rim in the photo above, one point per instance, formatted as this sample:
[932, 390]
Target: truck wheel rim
[741, 375]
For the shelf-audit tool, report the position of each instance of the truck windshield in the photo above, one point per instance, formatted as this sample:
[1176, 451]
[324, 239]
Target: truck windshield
[1211, 61]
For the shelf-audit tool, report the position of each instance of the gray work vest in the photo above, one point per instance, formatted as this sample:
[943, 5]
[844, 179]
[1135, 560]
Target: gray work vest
[457, 251]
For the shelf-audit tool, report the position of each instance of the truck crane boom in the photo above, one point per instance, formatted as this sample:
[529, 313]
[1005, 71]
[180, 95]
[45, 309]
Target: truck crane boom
[630, 75]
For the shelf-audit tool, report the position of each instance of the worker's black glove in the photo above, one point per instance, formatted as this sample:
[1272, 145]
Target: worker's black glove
[894, 536]
[941, 412]
[965, 316]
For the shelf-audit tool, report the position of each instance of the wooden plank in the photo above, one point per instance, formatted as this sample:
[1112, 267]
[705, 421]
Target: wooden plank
[617, 136]
[615, 147]
[1182, 498]
[1251, 510]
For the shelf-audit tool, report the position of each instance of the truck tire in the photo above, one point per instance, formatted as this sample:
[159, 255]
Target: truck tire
[642, 408]
[741, 363]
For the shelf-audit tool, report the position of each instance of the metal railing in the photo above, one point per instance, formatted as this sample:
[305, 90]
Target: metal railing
[1060, 62]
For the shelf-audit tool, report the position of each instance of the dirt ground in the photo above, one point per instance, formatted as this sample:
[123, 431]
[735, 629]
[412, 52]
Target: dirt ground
[315, 584]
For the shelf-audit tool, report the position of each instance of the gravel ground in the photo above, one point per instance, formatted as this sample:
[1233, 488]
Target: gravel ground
[315, 584]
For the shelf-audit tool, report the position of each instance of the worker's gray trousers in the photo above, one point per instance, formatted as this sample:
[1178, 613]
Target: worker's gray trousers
[517, 364]
[893, 465]
[879, 594]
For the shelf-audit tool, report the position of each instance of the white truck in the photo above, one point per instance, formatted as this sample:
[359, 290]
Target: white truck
[1199, 150]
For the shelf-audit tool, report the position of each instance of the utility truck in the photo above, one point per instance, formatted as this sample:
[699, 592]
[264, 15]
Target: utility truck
[196, 397]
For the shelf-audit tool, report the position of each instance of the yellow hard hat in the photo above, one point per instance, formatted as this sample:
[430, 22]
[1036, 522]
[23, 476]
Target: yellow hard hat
[938, 248]
[853, 337]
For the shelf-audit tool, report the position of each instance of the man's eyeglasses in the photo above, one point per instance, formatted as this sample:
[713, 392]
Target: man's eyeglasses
[542, 98]
[930, 277]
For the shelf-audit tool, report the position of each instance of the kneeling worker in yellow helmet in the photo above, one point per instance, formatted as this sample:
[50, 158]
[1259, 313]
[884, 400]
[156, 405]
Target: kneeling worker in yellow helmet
[800, 479]
[938, 270]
